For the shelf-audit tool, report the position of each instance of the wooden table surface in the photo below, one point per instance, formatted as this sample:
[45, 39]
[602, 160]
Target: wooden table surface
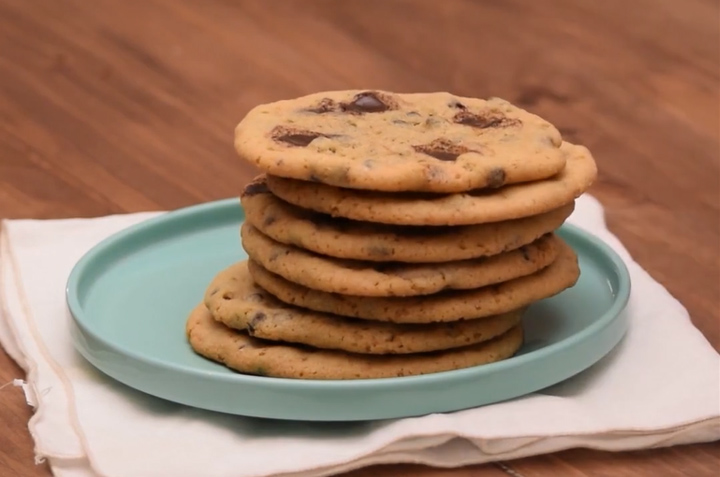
[123, 106]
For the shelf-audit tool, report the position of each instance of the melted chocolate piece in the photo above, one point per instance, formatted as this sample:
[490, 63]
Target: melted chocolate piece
[525, 254]
[367, 102]
[442, 149]
[483, 122]
[255, 188]
[254, 321]
[496, 178]
[300, 140]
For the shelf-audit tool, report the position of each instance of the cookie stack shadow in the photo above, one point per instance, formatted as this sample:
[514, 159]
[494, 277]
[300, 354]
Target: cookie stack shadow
[355, 283]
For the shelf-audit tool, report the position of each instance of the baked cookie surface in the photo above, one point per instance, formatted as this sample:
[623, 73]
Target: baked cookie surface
[351, 239]
[235, 300]
[384, 141]
[440, 307]
[474, 207]
[361, 278]
[242, 353]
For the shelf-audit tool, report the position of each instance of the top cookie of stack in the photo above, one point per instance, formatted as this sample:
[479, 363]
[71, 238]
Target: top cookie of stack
[423, 142]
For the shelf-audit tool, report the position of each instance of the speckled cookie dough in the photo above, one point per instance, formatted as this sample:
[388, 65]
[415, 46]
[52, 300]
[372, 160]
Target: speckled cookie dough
[235, 300]
[385, 141]
[343, 238]
[240, 352]
[483, 206]
[353, 277]
[440, 307]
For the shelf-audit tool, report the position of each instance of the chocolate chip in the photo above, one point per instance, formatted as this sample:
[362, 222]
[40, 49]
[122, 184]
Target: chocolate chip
[255, 187]
[257, 318]
[269, 220]
[457, 105]
[378, 251]
[366, 102]
[295, 137]
[442, 149]
[484, 122]
[433, 121]
[496, 177]
[326, 105]
[525, 254]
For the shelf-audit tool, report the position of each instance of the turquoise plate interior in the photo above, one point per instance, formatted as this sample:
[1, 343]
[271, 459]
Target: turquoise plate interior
[130, 295]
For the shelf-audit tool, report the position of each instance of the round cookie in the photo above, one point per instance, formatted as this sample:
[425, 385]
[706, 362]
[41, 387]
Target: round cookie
[235, 300]
[384, 141]
[475, 207]
[343, 238]
[240, 352]
[440, 307]
[352, 277]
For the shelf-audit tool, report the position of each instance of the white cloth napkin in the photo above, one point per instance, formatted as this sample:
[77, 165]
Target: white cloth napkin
[659, 387]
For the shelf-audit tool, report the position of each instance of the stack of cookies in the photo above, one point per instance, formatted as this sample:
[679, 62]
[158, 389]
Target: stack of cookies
[391, 235]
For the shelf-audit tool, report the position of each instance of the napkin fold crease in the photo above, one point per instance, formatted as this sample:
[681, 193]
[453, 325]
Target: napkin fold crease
[85, 424]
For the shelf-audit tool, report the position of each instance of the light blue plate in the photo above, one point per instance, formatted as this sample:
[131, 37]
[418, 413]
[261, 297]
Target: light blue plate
[131, 294]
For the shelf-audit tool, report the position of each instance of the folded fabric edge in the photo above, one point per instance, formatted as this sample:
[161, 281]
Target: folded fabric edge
[34, 398]
[609, 442]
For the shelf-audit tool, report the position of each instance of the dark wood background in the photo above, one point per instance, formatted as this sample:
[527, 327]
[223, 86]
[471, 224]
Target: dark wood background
[111, 106]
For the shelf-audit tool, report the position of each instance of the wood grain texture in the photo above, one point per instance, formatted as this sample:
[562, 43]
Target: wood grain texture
[117, 106]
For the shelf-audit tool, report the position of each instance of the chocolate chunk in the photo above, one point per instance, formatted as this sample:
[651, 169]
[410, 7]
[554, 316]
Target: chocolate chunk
[496, 177]
[525, 254]
[378, 251]
[457, 105]
[254, 321]
[295, 137]
[257, 318]
[269, 220]
[326, 105]
[255, 187]
[484, 122]
[366, 102]
[442, 149]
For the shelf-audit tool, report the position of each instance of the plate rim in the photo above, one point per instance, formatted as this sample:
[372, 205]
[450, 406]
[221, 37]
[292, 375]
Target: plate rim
[76, 312]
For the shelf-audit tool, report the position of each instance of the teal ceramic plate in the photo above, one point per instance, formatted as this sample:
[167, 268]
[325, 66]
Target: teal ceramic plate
[130, 296]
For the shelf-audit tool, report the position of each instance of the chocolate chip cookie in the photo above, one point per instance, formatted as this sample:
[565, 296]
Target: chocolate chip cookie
[240, 352]
[235, 300]
[439, 307]
[384, 141]
[343, 238]
[475, 207]
[353, 277]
